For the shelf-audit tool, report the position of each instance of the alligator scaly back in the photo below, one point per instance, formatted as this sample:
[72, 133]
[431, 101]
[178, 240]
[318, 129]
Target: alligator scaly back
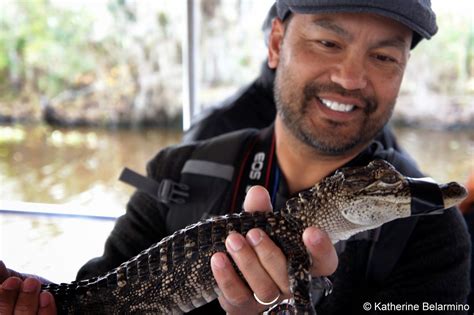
[174, 275]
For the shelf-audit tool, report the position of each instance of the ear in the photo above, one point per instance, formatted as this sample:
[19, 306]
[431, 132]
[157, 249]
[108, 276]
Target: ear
[275, 42]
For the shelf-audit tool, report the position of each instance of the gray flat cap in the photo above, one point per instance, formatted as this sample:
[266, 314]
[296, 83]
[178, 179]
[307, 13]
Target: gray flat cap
[415, 14]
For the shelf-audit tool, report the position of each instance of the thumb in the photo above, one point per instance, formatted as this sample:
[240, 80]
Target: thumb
[323, 254]
[257, 199]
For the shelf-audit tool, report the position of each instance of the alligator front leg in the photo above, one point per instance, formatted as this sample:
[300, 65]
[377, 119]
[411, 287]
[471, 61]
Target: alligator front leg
[300, 282]
[300, 287]
[299, 264]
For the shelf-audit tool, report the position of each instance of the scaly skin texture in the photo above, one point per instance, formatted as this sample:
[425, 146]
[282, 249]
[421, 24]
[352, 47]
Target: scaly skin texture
[174, 275]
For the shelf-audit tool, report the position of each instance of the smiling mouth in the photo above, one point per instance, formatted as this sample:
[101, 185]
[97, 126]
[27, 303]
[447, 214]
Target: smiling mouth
[338, 107]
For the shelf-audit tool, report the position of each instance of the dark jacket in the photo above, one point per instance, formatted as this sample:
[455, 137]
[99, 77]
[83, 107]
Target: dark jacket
[432, 267]
[252, 106]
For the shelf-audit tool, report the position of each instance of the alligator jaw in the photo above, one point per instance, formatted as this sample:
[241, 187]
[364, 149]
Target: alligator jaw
[453, 194]
[429, 197]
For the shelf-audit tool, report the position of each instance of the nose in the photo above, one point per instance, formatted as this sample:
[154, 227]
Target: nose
[350, 73]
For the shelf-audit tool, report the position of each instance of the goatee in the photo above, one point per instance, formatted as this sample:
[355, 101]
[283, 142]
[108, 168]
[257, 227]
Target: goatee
[294, 109]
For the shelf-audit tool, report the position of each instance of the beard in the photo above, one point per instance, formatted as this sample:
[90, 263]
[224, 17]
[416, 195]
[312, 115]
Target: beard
[326, 137]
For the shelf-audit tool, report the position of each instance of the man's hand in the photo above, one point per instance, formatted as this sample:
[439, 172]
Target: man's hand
[22, 296]
[263, 264]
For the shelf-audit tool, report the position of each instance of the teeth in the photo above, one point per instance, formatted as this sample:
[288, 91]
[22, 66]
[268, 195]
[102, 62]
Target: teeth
[338, 107]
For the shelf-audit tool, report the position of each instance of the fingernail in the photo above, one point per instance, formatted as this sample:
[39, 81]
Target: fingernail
[315, 238]
[29, 285]
[45, 299]
[218, 261]
[255, 237]
[11, 284]
[235, 242]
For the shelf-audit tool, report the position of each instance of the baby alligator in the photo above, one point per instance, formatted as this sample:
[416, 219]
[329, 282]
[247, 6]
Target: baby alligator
[174, 275]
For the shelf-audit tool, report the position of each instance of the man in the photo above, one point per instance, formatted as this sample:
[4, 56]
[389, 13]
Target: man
[339, 65]
[253, 106]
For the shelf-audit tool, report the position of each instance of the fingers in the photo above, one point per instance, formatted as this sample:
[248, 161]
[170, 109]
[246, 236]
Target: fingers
[234, 293]
[259, 252]
[8, 294]
[319, 245]
[263, 266]
[27, 301]
[323, 254]
[23, 298]
[257, 199]
[47, 304]
[272, 260]
[252, 268]
[262, 263]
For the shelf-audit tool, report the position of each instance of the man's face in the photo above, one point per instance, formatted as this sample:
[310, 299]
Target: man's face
[338, 76]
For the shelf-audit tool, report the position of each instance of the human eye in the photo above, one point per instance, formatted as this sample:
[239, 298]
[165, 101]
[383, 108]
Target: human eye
[327, 43]
[388, 61]
[385, 58]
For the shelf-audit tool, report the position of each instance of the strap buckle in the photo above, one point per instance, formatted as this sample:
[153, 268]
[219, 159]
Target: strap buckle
[171, 192]
[165, 190]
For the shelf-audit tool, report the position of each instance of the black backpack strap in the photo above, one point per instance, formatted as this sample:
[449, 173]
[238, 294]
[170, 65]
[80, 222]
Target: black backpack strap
[162, 180]
[195, 180]
[209, 173]
[165, 191]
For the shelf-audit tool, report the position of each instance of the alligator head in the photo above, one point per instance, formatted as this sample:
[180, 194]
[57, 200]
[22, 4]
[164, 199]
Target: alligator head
[356, 199]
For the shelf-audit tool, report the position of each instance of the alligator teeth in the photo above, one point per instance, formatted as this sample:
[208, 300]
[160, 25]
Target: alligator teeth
[338, 107]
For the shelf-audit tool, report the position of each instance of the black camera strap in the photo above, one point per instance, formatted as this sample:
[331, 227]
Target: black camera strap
[258, 167]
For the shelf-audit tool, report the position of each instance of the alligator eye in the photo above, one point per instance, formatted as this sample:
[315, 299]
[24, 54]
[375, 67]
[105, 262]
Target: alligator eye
[389, 178]
[356, 184]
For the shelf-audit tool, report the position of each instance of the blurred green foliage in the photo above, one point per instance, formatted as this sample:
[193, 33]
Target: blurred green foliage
[87, 61]
[43, 48]
[451, 55]
[116, 59]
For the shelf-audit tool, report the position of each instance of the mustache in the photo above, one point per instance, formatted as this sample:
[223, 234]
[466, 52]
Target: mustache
[313, 89]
